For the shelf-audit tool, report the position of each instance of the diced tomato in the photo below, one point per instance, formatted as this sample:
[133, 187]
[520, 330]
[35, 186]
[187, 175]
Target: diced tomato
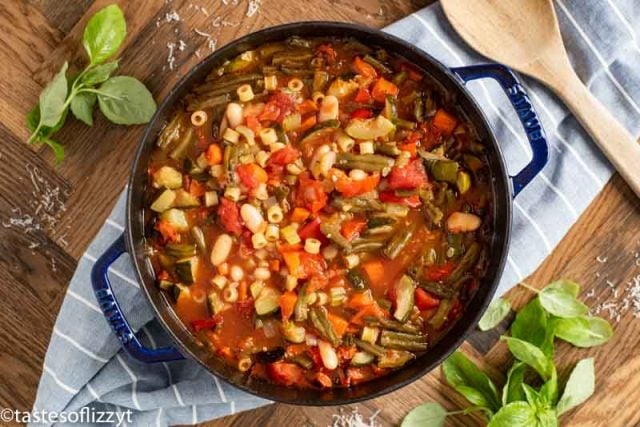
[210, 323]
[439, 272]
[382, 88]
[286, 373]
[169, 234]
[284, 156]
[328, 52]
[311, 194]
[361, 113]
[279, 106]
[311, 230]
[251, 175]
[304, 265]
[412, 201]
[229, 215]
[363, 68]
[349, 187]
[425, 300]
[444, 122]
[351, 229]
[363, 96]
[253, 123]
[409, 177]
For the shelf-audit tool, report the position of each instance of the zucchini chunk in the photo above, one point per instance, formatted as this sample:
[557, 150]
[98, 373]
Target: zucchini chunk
[186, 269]
[404, 298]
[164, 201]
[167, 177]
[176, 218]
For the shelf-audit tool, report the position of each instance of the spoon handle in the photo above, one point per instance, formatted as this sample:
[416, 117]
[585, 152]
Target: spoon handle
[616, 143]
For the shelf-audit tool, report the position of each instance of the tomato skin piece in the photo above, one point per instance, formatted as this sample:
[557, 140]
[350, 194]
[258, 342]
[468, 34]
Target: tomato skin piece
[311, 230]
[349, 187]
[311, 194]
[210, 323]
[361, 113]
[363, 96]
[351, 229]
[390, 197]
[284, 156]
[409, 177]
[425, 300]
[229, 215]
[439, 272]
[251, 175]
[278, 107]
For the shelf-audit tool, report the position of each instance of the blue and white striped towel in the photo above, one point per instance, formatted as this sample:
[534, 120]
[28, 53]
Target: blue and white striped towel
[84, 365]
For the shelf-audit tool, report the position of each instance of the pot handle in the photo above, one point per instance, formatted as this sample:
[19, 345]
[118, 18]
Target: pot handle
[112, 312]
[527, 114]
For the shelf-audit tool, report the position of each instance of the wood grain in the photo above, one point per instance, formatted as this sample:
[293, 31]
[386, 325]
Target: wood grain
[38, 35]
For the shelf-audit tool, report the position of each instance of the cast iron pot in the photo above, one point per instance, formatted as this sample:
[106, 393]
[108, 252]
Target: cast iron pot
[504, 188]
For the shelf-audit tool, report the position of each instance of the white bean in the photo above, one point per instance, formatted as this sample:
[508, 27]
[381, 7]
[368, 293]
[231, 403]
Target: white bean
[253, 218]
[221, 249]
[236, 272]
[234, 114]
[461, 222]
[261, 273]
[328, 109]
[328, 355]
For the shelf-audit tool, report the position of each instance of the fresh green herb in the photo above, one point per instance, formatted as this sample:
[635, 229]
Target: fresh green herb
[122, 99]
[496, 312]
[554, 312]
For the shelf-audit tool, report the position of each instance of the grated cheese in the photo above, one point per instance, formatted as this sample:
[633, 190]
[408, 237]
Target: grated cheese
[353, 419]
[171, 59]
[172, 16]
[252, 8]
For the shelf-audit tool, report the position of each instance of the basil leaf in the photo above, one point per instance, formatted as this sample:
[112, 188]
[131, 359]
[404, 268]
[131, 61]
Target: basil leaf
[496, 312]
[427, 414]
[532, 396]
[82, 107]
[549, 390]
[104, 33]
[531, 324]
[516, 414]
[512, 390]
[583, 331]
[99, 73]
[126, 101]
[33, 118]
[462, 374]
[547, 418]
[58, 149]
[579, 387]
[531, 355]
[568, 285]
[52, 99]
[560, 302]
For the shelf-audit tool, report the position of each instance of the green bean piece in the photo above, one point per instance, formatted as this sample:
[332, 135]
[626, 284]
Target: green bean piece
[298, 55]
[301, 309]
[357, 204]
[378, 231]
[321, 322]
[228, 82]
[266, 51]
[399, 78]
[198, 236]
[467, 261]
[390, 108]
[302, 360]
[393, 325]
[455, 245]
[370, 348]
[399, 242]
[403, 341]
[182, 147]
[362, 245]
[379, 66]
[171, 132]
[445, 170]
[388, 149]
[320, 80]
[395, 359]
[405, 124]
[379, 221]
[357, 280]
[290, 70]
[366, 162]
[200, 104]
[441, 315]
[331, 229]
[418, 109]
[439, 289]
[298, 42]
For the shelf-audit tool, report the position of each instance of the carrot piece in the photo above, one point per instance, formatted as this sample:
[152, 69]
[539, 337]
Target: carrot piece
[382, 88]
[287, 304]
[374, 270]
[274, 264]
[223, 269]
[308, 106]
[370, 310]
[444, 122]
[350, 229]
[196, 189]
[338, 323]
[299, 214]
[292, 259]
[242, 290]
[361, 67]
[307, 123]
[360, 300]
[253, 123]
[214, 154]
[410, 147]
[167, 231]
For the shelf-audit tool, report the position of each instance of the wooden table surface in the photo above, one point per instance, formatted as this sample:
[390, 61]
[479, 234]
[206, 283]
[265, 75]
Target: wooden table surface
[68, 203]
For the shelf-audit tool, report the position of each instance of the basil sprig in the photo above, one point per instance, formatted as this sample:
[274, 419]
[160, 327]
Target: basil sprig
[555, 312]
[122, 99]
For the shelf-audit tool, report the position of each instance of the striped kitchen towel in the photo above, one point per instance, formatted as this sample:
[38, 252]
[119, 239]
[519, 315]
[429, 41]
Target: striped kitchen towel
[84, 365]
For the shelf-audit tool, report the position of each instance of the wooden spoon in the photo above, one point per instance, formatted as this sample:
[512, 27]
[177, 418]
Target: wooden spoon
[524, 35]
